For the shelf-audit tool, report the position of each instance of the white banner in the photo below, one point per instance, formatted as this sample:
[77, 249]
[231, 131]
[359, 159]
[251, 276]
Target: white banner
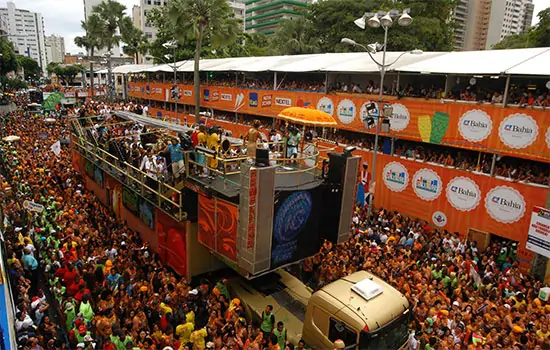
[56, 148]
[538, 238]
[32, 206]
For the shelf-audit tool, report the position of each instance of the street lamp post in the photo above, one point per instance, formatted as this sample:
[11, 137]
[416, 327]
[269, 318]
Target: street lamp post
[385, 22]
[109, 76]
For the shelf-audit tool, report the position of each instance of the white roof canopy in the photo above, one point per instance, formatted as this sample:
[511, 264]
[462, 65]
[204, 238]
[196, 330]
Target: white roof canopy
[532, 61]
[487, 62]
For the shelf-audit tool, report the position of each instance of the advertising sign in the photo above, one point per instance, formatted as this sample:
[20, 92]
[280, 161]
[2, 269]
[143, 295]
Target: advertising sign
[538, 238]
[505, 204]
[395, 176]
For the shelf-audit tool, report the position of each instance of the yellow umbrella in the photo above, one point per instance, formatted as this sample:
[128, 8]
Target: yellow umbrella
[307, 116]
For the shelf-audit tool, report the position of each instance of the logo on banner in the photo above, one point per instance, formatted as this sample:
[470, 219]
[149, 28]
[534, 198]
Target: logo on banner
[325, 104]
[400, 117]
[282, 101]
[267, 100]
[253, 99]
[215, 96]
[463, 193]
[364, 112]
[548, 137]
[187, 93]
[396, 176]
[227, 97]
[158, 90]
[239, 101]
[346, 111]
[475, 125]
[505, 204]
[206, 95]
[427, 184]
[439, 218]
[518, 130]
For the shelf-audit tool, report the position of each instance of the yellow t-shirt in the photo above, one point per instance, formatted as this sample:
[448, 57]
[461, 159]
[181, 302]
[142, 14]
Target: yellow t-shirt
[201, 137]
[190, 317]
[213, 141]
[543, 335]
[183, 331]
[197, 337]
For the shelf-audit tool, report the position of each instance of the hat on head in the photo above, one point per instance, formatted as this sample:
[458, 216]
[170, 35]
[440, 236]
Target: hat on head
[456, 303]
[88, 337]
[80, 345]
[194, 292]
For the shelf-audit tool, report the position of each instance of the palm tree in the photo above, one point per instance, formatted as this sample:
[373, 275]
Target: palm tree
[111, 15]
[90, 41]
[293, 37]
[135, 40]
[197, 19]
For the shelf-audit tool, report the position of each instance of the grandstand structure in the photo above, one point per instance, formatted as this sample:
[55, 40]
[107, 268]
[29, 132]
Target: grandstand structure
[484, 205]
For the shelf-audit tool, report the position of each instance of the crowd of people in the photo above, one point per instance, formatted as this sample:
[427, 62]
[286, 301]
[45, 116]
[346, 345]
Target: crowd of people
[81, 280]
[465, 297]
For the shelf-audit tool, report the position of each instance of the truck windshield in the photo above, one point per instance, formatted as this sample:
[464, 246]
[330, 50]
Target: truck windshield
[391, 336]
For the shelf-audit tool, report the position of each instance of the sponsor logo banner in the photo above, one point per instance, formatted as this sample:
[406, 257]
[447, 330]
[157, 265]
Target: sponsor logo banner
[538, 239]
[505, 204]
[439, 219]
[518, 130]
[267, 100]
[206, 95]
[253, 99]
[400, 117]
[395, 176]
[463, 193]
[346, 111]
[227, 97]
[427, 184]
[326, 105]
[187, 93]
[282, 101]
[215, 96]
[475, 125]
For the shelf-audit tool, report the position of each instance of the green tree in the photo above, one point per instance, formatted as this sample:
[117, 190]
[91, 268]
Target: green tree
[90, 41]
[294, 37]
[66, 74]
[246, 45]
[134, 38]
[537, 36]
[432, 28]
[199, 19]
[8, 60]
[30, 66]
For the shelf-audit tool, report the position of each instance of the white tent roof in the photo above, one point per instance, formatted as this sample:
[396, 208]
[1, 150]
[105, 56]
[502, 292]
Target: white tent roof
[362, 63]
[487, 62]
[537, 65]
[131, 68]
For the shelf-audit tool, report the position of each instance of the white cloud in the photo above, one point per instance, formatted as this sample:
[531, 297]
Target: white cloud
[62, 17]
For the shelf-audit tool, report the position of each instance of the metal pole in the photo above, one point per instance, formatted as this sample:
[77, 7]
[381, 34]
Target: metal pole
[397, 89]
[506, 92]
[109, 78]
[176, 81]
[493, 163]
[275, 81]
[380, 108]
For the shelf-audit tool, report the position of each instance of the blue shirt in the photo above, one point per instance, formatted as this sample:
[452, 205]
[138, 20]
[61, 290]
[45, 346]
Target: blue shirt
[113, 280]
[175, 153]
[409, 242]
[29, 262]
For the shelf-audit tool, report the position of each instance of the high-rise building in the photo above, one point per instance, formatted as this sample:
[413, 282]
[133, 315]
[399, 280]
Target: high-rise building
[239, 9]
[136, 16]
[263, 16]
[483, 23]
[55, 46]
[88, 10]
[25, 29]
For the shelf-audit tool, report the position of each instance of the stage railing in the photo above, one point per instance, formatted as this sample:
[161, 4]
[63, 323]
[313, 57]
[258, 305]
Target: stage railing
[162, 195]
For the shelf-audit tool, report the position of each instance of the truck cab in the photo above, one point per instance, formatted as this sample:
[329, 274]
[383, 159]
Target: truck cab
[361, 309]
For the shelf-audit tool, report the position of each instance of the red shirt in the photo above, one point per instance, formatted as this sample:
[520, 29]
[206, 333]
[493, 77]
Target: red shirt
[111, 346]
[61, 272]
[78, 296]
[69, 277]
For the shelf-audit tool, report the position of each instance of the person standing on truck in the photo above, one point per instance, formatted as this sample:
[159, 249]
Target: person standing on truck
[268, 321]
[280, 333]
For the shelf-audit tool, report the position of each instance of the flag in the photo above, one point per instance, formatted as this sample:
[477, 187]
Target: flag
[477, 339]
[56, 148]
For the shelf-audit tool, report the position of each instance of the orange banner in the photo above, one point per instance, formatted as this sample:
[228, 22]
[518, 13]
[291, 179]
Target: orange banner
[518, 132]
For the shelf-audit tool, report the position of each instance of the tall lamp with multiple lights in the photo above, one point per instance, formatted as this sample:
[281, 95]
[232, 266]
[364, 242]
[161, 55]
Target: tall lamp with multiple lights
[383, 110]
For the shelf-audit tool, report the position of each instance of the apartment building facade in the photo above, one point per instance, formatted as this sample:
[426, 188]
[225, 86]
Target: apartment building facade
[25, 29]
[263, 16]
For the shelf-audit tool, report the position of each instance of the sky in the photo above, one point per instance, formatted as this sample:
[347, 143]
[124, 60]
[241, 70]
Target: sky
[63, 17]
